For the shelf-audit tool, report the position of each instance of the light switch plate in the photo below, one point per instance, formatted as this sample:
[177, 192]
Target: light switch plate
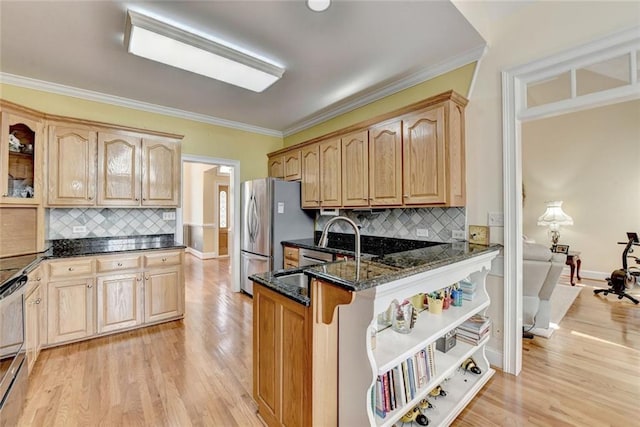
[422, 232]
[457, 234]
[496, 219]
[280, 207]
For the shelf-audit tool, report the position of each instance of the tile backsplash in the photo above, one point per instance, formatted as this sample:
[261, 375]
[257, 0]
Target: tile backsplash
[107, 222]
[402, 223]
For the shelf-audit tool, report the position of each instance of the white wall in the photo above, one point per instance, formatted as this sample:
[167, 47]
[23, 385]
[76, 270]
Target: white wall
[192, 192]
[591, 161]
[518, 33]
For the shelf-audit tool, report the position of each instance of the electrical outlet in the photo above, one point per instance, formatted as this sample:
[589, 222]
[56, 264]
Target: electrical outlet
[496, 219]
[422, 232]
[79, 229]
[168, 216]
[457, 234]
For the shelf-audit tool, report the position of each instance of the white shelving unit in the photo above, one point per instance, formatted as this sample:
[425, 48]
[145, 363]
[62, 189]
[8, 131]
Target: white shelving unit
[360, 365]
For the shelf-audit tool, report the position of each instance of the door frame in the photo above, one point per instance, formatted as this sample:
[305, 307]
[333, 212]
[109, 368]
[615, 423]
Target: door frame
[515, 112]
[234, 191]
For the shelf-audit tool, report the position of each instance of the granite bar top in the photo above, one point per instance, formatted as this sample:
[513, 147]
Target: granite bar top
[344, 244]
[64, 248]
[376, 271]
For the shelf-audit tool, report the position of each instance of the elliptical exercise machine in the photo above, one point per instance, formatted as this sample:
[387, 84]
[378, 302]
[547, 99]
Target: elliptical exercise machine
[625, 277]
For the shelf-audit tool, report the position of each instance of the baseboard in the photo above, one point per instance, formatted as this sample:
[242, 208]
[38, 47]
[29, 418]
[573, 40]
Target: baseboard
[589, 274]
[201, 255]
[494, 356]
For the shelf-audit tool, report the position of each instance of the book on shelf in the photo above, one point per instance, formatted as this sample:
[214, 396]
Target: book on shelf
[398, 381]
[380, 411]
[476, 323]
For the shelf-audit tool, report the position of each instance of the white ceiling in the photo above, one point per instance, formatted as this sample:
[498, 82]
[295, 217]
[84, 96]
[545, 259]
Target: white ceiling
[355, 50]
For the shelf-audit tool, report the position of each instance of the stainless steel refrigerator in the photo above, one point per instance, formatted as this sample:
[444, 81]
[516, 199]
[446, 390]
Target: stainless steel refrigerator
[270, 213]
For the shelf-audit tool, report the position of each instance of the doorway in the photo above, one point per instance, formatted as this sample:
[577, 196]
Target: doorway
[210, 210]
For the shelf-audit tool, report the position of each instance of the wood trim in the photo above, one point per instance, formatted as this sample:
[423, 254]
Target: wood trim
[365, 124]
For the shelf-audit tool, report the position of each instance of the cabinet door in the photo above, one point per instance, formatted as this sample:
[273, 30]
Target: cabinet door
[355, 169]
[281, 362]
[292, 165]
[72, 166]
[70, 308]
[163, 294]
[33, 309]
[424, 157]
[20, 159]
[160, 173]
[385, 164]
[118, 170]
[330, 174]
[310, 177]
[119, 302]
[276, 167]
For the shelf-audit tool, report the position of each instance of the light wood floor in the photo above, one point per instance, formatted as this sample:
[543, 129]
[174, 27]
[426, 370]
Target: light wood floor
[198, 371]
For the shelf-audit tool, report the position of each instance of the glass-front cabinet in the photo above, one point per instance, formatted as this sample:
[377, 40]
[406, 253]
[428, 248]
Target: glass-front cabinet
[21, 148]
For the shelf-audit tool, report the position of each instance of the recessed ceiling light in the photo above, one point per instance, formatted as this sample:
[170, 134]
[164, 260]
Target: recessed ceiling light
[318, 5]
[156, 40]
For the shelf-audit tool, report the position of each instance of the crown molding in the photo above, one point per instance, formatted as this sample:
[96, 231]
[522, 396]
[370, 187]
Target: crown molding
[29, 83]
[368, 97]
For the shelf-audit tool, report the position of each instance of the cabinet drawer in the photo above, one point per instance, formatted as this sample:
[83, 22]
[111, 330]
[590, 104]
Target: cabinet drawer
[118, 263]
[162, 259]
[291, 253]
[71, 268]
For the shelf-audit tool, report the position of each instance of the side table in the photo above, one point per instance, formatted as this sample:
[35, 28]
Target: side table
[574, 261]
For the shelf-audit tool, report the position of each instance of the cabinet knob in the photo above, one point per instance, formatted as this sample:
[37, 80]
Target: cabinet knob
[144, 200]
[146, 278]
[406, 196]
[119, 264]
[38, 279]
[164, 260]
[70, 268]
[5, 195]
[138, 279]
[38, 301]
[137, 199]
[89, 286]
[90, 198]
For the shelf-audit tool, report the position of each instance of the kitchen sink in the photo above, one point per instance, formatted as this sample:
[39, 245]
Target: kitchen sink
[300, 280]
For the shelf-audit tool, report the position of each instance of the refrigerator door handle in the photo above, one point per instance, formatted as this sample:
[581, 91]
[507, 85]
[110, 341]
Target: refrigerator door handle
[254, 220]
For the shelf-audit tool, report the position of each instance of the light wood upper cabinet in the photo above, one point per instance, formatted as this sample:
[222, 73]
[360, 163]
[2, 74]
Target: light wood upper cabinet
[119, 303]
[292, 165]
[456, 190]
[385, 164]
[330, 174]
[424, 157]
[160, 173]
[355, 169]
[72, 166]
[310, 176]
[276, 166]
[119, 178]
[21, 156]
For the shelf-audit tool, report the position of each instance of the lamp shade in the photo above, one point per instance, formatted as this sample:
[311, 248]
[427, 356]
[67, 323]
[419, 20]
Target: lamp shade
[554, 215]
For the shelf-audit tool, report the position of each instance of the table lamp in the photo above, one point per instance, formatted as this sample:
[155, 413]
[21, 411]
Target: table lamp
[554, 217]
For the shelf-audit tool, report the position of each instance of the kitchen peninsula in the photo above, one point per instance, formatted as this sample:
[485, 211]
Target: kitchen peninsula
[320, 322]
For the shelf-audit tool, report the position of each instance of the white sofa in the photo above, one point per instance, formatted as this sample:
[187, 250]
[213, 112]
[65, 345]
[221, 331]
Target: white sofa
[541, 271]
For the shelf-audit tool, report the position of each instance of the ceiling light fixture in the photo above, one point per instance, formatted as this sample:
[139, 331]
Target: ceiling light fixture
[318, 5]
[156, 40]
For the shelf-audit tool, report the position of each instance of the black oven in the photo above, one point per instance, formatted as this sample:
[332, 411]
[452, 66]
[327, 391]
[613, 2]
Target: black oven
[13, 363]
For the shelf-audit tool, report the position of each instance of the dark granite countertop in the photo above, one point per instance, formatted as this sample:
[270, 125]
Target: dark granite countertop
[65, 248]
[344, 244]
[106, 245]
[376, 271]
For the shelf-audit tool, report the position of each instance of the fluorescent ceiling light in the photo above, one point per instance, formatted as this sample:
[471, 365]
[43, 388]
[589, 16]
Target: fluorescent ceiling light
[156, 40]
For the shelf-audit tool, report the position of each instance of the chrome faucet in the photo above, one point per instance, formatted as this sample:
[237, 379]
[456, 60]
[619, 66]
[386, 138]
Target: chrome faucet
[324, 239]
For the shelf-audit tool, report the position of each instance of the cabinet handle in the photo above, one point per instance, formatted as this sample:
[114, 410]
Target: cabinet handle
[70, 268]
[38, 301]
[119, 264]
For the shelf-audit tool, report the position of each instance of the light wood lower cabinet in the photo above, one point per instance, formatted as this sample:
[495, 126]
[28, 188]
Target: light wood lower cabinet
[70, 307]
[281, 359]
[34, 322]
[128, 291]
[291, 257]
[162, 295]
[119, 302]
